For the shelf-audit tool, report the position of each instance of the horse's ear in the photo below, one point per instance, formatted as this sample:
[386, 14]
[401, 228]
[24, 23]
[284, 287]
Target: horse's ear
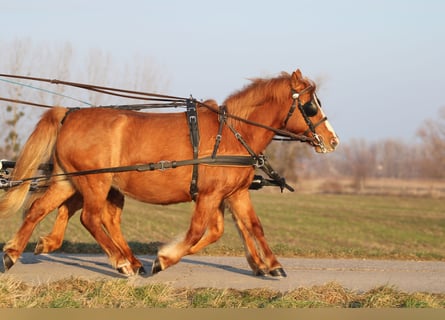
[297, 78]
[298, 74]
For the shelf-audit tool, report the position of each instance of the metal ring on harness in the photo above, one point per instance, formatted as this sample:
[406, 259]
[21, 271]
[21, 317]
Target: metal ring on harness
[260, 161]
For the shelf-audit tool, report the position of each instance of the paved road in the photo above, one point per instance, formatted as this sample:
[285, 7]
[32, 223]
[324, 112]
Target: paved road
[233, 272]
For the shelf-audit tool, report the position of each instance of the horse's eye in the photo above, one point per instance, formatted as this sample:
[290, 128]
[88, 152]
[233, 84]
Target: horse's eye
[310, 109]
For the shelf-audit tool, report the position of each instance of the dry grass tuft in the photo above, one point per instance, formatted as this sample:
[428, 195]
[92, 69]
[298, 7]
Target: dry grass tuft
[78, 293]
[330, 294]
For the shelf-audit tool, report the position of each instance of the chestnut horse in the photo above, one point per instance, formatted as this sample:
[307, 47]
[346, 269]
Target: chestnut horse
[95, 138]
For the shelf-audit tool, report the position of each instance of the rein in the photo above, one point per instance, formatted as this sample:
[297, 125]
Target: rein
[170, 101]
[101, 89]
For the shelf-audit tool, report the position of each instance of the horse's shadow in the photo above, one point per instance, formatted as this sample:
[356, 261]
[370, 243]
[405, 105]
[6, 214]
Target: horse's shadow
[246, 272]
[80, 261]
[217, 266]
[103, 268]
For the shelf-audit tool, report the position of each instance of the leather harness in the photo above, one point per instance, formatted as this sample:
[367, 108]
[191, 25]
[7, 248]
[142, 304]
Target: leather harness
[258, 161]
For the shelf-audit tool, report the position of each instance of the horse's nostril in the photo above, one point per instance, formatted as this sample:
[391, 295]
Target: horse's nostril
[334, 142]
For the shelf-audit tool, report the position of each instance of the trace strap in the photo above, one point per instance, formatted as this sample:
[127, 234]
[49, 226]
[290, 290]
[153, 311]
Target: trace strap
[257, 183]
[161, 165]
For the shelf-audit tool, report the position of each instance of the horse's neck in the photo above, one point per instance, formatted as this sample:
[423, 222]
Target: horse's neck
[256, 137]
[263, 102]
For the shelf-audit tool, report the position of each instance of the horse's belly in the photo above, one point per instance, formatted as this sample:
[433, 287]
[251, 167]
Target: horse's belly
[160, 187]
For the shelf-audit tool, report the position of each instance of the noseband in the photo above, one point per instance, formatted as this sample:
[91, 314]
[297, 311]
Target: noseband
[317, 139]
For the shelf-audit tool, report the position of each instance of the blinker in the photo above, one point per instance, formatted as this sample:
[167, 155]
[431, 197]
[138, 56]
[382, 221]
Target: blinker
[310, 109]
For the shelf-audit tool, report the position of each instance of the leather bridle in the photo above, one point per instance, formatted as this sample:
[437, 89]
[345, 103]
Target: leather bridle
[317, 140]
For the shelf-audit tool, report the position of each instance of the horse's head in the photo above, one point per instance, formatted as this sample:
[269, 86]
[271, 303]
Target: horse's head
[307, 117]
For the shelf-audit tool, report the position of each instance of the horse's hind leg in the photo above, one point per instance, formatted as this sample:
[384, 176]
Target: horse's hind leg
[111, 219]
[56, 194]
[54, 239]
[259, 255]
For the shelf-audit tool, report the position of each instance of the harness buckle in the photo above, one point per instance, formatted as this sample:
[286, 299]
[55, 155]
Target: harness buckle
[6, 183]
[34, 185]
[165, 164]
[192, 119]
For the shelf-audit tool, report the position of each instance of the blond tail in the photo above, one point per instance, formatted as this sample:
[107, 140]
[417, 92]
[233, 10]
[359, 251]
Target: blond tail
[38, 149]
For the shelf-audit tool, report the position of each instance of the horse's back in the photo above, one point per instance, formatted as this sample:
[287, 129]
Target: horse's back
[120, 137]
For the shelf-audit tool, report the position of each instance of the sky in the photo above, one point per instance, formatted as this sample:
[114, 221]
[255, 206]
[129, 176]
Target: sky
[379, 63]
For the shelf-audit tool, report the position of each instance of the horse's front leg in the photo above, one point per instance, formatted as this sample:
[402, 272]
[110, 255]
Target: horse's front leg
[258, 253]
[214, 231]
[206, 207]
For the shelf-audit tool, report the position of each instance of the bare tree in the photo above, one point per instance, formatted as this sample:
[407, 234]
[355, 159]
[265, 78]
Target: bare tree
[432, 133]
[12, 113]
[11, 147]
[62, 66]
[360, 157]
[394, 159]
[288, 158]
[98, 72]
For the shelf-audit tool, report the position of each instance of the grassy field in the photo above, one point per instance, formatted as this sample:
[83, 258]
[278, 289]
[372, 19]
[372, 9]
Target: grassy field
[296, 225]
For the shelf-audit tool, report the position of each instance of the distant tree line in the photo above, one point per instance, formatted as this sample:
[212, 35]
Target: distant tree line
[422, 158]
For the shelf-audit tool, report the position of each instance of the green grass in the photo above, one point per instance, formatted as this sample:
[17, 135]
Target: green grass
[296, 225]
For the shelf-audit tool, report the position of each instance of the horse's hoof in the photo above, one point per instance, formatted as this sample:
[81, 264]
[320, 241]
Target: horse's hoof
[279, 273]
[126, 270]
[141, 271]
[7, 262]
[156, 267]
[259, 273]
